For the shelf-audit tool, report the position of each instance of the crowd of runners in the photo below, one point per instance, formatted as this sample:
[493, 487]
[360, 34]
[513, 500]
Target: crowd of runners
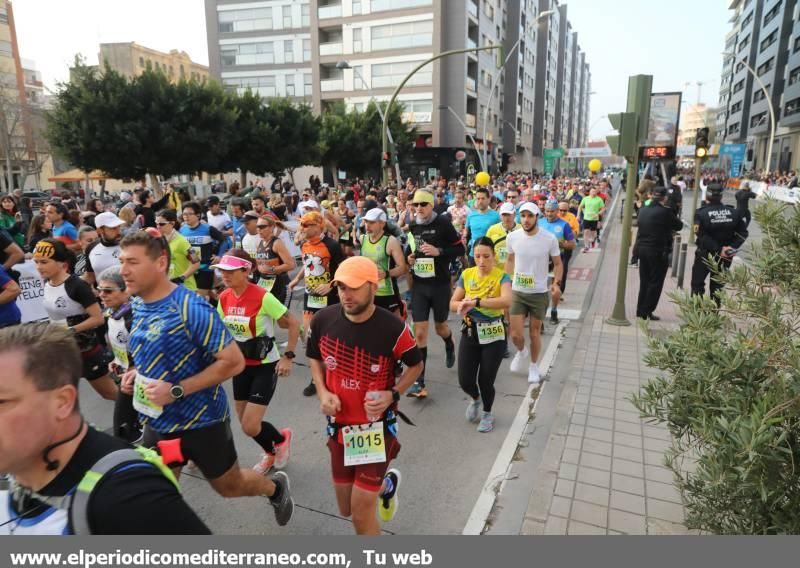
[158, 303]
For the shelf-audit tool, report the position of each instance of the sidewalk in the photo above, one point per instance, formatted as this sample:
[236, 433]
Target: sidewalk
[602, 469]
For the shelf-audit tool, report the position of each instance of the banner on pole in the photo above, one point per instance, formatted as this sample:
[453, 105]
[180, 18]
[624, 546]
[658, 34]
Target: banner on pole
[734, 155]
[550, 157]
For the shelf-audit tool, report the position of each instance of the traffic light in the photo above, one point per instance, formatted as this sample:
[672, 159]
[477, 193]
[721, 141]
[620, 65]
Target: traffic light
[626, 143]
[701, 143]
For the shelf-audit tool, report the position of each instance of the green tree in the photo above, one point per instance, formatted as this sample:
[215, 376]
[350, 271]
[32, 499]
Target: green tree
[730, 394]
[252, 141]
[296, 139]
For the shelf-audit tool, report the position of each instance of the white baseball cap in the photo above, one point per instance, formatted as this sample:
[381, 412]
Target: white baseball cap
[507, 209]
[530, 208]
[107, 219]
[375, 214]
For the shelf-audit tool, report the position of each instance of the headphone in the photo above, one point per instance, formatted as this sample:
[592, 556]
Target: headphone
[53, 465]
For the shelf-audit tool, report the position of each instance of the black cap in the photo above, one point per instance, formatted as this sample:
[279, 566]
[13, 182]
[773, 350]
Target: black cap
[212, 200]
[659, 192]
[714, 188]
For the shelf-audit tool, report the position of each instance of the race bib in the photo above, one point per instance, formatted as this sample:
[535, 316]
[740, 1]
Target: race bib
[120, 355]
[141, 403]
[502, 255]
[424, 268]
[266, 283]
[364, 444]
[489, 332]
[524, 281]
[317, 302]
[239, 326]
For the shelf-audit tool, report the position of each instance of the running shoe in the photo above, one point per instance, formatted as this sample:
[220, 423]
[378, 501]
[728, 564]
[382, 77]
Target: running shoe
[519, 360]
[554, 316]
[266, 463]
[533, 374]
[487, 423]
[450, 356]
[310, 390]
[417, 391]
[388, 501]
[283, 451]
[585, 249]
[282, 500]
[474, 411]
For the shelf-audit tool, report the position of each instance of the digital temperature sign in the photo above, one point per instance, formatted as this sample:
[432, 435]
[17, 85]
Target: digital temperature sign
[657, 152]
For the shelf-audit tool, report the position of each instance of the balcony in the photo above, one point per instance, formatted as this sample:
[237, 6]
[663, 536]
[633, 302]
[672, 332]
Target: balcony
[470, 120]
[331, 48]
[472, 9]
[328, 85]
[471, 85]
[330, 11]
[471, 44]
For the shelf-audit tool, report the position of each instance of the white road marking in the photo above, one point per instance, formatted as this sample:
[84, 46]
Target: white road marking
[502, 464]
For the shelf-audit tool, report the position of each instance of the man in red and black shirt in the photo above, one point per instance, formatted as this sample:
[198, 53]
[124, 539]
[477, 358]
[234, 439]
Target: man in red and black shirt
[352, 349]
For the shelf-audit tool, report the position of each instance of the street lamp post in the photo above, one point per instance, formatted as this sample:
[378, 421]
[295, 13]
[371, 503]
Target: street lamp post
[384, 130]
[769, 105]
[346, 65]
[461, 122]
[496, 80]
[527, 151]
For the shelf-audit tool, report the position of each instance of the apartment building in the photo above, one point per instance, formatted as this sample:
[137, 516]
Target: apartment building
[765, 36]
[352, 51]
[131, 60]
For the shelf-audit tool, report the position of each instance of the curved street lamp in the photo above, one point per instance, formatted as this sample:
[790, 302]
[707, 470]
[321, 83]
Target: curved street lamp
[466, 129]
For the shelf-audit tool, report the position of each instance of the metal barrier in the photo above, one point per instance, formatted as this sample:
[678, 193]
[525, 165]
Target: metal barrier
[682, 264]
[676, 249]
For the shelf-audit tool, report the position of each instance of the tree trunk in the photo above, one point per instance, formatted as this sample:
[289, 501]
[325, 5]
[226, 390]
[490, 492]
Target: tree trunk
[290, 171]
[243, 179]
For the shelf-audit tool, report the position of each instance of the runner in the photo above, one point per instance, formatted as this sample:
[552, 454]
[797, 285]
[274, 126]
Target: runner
[321, 259]
[387, 254]
[104, 252]
[57, 487]
[206, 242]
[499, 232]
[529, 253]
[480, 219]
[9, 291]
[437, 245]
[57, 214]
[71, 303]
[251, 238]
[273, 259]
[352, 350]
[182, 353]
[184, 263]
[250, 313]
[482, 294]
[592, 207]
[561, 230]
[111, 287]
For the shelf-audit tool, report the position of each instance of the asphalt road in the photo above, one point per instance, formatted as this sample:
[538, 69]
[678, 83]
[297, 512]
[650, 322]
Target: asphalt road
[444, 460]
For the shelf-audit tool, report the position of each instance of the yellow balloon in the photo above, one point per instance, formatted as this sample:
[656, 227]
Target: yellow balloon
[595, 165]
[483, 179]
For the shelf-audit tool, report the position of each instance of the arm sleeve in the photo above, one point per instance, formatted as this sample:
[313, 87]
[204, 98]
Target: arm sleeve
[205, 326]
[312, 343]
[405, 348]
[506, 279]
[161, 203]
[80, 291]
[140, 500]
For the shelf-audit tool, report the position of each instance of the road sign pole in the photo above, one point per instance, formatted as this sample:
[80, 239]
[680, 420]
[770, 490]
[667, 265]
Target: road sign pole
[698, 164]
[639, 90]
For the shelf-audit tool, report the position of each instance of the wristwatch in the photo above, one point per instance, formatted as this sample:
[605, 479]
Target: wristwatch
[176, 391]
[395, 396]
[289, 354]
[477, 302]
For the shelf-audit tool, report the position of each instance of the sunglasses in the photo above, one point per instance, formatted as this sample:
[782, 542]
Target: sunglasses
[420, 204]
[563, 210]
[267, 226]
[108, 290]
[162, 224]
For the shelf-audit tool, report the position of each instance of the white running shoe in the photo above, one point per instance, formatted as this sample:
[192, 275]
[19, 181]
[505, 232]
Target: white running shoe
[533, 374]
[519, 360]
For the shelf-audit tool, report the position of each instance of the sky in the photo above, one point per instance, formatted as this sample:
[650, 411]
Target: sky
[677, 42]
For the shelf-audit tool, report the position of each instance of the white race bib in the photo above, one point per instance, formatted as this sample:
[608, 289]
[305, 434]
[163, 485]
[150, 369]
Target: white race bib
[425, 268]
[364, 444]
[239, 326]
[490, 331]
[317, 302]
[526, 282]
[266, 283]
[141, 403]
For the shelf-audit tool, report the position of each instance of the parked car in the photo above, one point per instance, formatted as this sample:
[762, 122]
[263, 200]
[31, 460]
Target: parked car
[37, 198]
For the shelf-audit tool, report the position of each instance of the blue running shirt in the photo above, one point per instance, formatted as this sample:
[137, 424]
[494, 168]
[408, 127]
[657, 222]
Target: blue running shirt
[171, 340]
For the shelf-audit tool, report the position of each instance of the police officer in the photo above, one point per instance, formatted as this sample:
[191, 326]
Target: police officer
[720, 231]
[656, 224]
[743, 197]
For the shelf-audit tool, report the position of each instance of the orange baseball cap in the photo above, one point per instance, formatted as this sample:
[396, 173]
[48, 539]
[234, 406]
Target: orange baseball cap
[356, 271]
[312, 218]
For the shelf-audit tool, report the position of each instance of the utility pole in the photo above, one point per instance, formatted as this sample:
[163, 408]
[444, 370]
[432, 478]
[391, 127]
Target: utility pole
[632, 127]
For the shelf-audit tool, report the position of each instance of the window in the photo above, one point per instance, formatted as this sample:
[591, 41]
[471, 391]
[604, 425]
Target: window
[305, 15]
[398, 36]
[141, 61]
[287, 17]
[381, 5]
[488, 9]
[792, 107]
[290, 92]
[247, 54]
[6, 49]
[288, 51]
[307, 85]
[769, 40]
[743, 44]
[738, 86]
[747, 20]
[264, 86]
[796, 45]
[306, 50]
[357, 43]
[772, 13]
[357, 7]
[3, 15]
[733, 128]
[739, 66]
[758, 119]
[245, 20]
[390, 74]
[759, 95]
[766, 66]
[794, 76]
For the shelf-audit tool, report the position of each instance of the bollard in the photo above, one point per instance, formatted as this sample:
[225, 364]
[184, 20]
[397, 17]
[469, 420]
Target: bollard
[682, 265]
[676, 249]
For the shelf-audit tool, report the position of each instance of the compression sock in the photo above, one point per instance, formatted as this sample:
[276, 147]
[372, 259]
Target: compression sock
[424, 351]
[448, 342]
[268, 437]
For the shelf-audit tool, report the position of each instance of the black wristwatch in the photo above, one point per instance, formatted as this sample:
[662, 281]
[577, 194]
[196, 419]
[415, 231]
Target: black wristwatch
[395, 396]
[477, 302]
[176, 391]
[289, 354]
